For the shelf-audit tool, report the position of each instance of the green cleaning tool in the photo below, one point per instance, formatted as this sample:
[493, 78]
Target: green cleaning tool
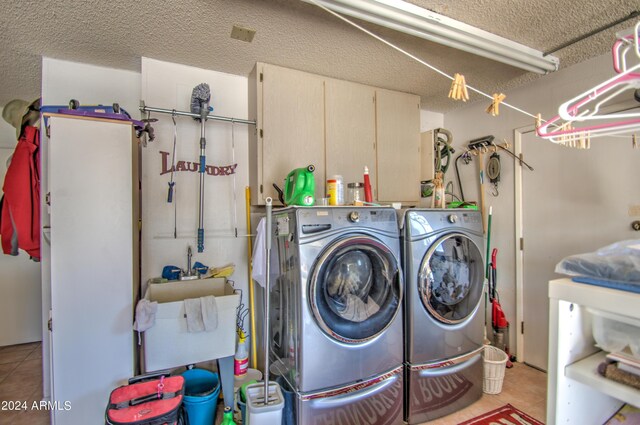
[300, 187]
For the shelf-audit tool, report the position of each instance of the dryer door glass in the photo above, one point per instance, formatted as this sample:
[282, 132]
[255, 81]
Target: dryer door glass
[451, 278]
[355, 289]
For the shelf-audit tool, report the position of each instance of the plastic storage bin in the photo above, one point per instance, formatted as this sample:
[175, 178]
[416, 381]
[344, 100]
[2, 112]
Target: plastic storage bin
[613, 332]
[169, 344]
[495, 363]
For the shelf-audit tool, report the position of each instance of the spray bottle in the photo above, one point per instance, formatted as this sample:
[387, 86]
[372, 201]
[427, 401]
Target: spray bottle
[241, 358]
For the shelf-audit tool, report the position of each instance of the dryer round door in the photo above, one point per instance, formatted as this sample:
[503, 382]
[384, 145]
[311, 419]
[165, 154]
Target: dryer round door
[355, 290]
[451, 278]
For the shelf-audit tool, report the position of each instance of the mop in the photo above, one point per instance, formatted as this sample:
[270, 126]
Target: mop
[200, 105]
[265, 408]
[487, 275]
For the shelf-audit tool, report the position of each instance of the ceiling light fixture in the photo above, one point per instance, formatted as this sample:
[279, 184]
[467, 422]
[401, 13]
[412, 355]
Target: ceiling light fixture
[411, 19]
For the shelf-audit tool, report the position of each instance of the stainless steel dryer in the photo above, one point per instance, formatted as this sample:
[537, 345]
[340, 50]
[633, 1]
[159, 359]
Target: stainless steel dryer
[444, 276]
[336, 313]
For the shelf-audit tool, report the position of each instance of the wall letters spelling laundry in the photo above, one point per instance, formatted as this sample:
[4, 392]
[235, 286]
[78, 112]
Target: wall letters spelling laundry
[212, 170]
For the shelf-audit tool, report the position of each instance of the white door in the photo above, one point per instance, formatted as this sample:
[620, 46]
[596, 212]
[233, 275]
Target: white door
[575, 201]
[92, 264]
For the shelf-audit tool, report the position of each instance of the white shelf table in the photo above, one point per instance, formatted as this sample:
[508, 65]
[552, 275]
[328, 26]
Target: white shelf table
[576, 393]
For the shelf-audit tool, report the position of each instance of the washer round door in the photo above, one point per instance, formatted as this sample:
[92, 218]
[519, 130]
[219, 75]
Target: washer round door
[355, 290]
[451, 278]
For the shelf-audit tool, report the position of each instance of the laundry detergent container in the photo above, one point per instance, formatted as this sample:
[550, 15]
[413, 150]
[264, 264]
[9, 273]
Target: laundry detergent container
[201, 390]
[168, 344]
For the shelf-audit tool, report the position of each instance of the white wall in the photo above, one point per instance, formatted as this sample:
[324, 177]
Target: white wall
[169, 86]
[543, 96]
[430, 120]
[20, 318]
[89, 84]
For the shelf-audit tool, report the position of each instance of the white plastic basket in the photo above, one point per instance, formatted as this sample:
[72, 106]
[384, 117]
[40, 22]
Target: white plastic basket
[495, 363]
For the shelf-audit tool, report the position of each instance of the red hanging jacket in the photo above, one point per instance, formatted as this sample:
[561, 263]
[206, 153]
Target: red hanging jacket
[20, 222]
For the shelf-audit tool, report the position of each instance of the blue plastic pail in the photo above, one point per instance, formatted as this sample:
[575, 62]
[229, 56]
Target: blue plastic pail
[202, 388]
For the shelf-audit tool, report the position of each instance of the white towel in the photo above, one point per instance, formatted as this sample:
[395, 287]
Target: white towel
[209, 313]
[145, 315]
[193, 311]
[259, 257]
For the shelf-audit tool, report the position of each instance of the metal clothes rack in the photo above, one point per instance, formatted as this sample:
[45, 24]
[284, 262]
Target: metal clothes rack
[148, 109]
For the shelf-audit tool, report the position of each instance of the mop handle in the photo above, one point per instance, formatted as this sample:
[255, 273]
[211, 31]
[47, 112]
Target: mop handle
[204, 110]
[266, 299]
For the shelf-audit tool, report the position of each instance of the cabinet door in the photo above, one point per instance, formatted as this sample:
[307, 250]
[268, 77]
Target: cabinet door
[292, 127]
[350, 131]
[398, 148]
[91, 167]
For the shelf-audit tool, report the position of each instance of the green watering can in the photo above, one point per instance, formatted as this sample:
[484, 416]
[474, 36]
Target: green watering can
[299, 187]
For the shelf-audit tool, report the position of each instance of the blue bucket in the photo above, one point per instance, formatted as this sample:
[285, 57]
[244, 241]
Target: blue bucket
[202, 388]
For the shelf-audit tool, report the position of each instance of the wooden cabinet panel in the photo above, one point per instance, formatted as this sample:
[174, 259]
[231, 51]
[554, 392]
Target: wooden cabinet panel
[427, 167]
[291, 121]
[398, 146]
[350, 131]
[338, 126]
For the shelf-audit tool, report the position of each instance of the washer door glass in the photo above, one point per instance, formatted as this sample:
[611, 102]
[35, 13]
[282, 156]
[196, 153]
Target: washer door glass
[355, 289]
[451, 278]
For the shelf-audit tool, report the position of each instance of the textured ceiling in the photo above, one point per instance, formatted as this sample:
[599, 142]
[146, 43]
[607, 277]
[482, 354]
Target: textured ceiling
[293, 34]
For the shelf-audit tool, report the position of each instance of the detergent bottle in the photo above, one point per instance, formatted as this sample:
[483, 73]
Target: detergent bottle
[335, 190]
[227, 416]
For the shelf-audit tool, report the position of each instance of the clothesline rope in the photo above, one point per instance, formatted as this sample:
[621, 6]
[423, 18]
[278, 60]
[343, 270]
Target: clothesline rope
[433, 68]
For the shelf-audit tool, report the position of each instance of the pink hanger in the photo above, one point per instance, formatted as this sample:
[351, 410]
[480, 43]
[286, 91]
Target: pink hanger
[560, 129]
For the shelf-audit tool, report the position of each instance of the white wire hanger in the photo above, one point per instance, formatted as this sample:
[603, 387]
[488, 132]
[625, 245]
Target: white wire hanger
[587, 109]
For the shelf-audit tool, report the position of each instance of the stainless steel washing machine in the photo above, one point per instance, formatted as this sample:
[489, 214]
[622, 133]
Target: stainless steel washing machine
[336, 313]
[444, 285]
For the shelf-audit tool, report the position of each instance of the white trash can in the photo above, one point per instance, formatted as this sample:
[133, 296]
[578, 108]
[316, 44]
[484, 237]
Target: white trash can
[495, 363]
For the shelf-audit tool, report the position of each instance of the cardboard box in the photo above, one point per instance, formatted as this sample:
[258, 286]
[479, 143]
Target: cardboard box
[169, 344]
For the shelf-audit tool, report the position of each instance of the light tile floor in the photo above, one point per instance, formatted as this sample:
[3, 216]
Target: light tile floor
[21, 385]
[523, 387]
[21, 380]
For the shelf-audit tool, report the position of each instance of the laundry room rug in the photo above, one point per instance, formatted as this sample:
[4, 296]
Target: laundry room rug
[506, 414]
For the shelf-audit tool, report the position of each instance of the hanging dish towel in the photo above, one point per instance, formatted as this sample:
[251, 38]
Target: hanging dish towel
[193, 311]
[259, 258]
[145, 315]
[209, 313]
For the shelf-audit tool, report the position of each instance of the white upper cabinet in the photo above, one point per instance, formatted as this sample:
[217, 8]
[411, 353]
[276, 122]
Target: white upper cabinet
[350, 131]
[398, 153]
[290, 128]
[338, 126]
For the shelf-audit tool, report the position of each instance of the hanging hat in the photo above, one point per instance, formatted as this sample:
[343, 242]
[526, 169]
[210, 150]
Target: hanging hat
[19, 112]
